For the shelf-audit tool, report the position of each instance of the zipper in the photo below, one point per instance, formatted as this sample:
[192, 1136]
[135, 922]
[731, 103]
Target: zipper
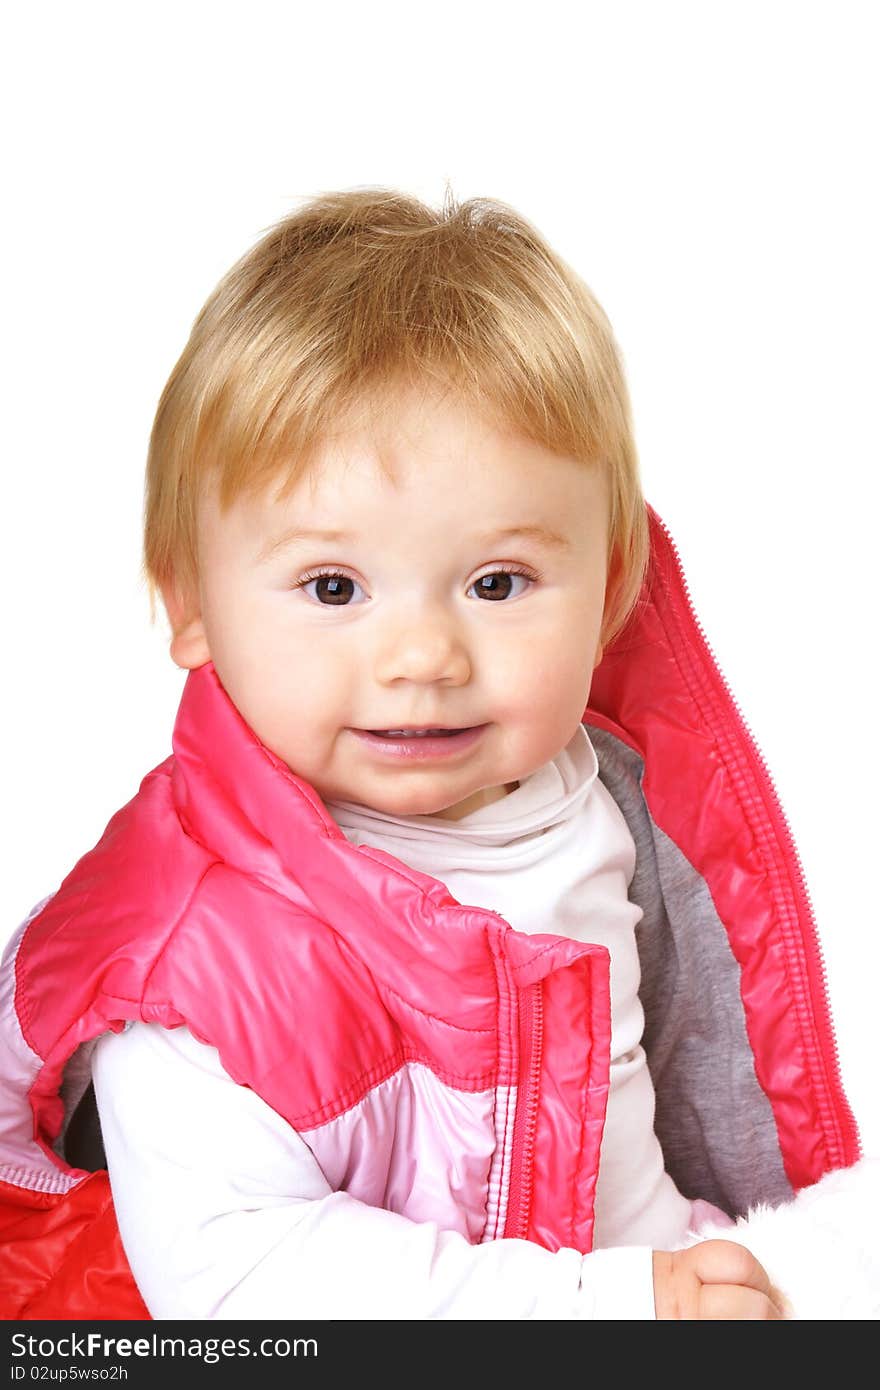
[847, 1135]
[525, 1124]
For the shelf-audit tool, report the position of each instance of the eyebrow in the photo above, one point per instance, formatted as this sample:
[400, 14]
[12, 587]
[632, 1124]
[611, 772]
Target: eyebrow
[298, 534]
[543, 535]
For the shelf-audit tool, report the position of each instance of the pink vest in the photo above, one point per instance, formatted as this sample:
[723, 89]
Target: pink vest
[338, 983]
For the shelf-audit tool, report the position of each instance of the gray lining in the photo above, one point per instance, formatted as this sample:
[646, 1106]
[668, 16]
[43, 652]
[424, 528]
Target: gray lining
[714, 1121]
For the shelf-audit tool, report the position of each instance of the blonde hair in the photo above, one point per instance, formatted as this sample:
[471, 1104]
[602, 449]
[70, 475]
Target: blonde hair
[357, 291]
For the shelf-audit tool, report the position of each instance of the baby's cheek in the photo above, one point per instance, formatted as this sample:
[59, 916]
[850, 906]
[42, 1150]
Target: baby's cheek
[553, 681]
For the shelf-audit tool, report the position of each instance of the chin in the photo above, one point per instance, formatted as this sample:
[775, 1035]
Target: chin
[417, 805]
[413, 801]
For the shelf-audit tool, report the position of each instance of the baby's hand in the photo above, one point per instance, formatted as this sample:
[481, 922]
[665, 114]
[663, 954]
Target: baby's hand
[716, 1279]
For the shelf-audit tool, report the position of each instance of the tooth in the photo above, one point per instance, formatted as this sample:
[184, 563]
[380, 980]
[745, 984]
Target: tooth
[410, 733]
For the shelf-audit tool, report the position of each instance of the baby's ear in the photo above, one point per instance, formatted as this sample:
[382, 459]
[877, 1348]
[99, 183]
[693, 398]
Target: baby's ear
[189, 642]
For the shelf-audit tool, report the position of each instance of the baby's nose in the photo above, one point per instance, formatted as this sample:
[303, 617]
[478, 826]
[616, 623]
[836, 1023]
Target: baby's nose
[427, 648]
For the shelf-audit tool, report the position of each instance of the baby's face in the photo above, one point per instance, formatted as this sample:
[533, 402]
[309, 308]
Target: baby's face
[420, 642]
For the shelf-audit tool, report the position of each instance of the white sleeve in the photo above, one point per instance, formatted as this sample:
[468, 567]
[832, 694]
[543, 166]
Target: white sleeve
[225, 1213]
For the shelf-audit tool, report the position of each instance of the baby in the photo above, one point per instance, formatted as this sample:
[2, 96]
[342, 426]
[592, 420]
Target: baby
[361, 974]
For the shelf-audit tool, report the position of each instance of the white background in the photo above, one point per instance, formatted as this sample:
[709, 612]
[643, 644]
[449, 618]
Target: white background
[710, 169]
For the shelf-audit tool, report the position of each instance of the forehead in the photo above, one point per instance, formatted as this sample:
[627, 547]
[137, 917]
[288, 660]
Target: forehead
[405, 433]
[425, 441]
[428, 461]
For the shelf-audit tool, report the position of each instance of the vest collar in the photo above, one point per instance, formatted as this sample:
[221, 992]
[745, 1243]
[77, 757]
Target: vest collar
[240, 800]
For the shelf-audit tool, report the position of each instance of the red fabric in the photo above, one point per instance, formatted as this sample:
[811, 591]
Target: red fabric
[575, 1048]
[708, 789]
[69, 1261]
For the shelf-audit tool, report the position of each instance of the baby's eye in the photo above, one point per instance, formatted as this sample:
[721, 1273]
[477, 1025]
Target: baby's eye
[333, 590]
[499, 584]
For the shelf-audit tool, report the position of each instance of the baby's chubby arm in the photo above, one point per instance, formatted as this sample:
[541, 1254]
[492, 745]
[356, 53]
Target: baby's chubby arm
[711, 1281]
[224, 1212]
